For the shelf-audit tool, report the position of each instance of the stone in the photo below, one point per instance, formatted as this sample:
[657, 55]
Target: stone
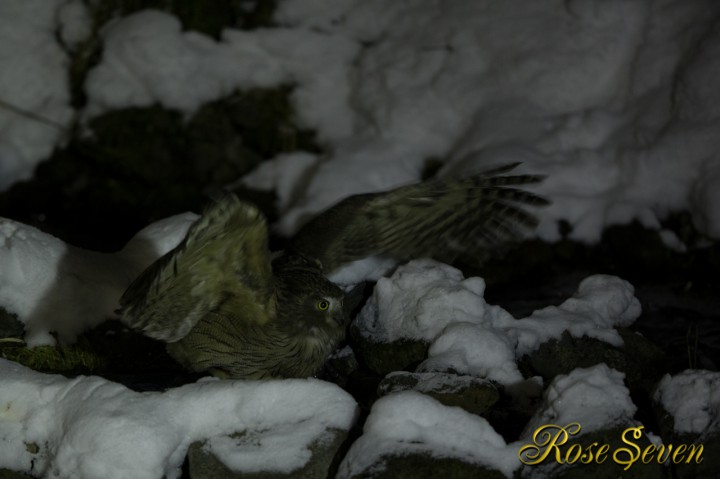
[326, 451]
[412, 466]
[475, 395]
[383, 358]
[642, 361]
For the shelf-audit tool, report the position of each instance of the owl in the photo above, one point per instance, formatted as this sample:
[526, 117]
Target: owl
[226, 305]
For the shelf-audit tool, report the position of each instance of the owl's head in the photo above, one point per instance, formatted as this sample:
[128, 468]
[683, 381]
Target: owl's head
[306, 300]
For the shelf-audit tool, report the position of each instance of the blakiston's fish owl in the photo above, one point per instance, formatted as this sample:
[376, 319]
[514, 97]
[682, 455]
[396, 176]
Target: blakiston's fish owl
[223, 305]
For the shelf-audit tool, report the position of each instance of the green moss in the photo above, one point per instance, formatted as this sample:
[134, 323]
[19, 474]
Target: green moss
[52, 359]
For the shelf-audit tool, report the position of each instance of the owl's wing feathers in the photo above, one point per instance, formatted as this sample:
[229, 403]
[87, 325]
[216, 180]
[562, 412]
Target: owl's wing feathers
[439, 218]
[210, 269]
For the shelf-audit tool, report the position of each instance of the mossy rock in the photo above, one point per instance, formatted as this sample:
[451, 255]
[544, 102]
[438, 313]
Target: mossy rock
[384, 358]
[412, 466]
[642, 361]
[74, 359]
[9, 474]
[475, 395]
[322, 464]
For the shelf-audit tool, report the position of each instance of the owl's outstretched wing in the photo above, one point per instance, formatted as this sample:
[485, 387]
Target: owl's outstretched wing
[224, 258]
[439, 218]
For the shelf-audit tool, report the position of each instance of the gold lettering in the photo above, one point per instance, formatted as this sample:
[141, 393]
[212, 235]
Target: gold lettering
[602, 453]
[649, 451]
[662, 449]
[631, 458]
[679, 451]
[588, 457]
[692, 448]
[573, 454]
[548, 439]
[545, 442]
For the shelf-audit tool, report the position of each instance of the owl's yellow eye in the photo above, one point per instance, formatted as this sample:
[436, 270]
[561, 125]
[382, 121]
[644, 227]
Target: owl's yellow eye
[323, 305]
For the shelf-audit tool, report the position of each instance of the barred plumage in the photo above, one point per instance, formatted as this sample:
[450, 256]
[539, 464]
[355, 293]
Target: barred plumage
[440, 218]
[223, 306]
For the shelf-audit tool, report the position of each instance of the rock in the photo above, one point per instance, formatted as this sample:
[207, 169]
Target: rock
[325, 453]
[73, 359]
[640, 360]
[384, 358]
[8, 474]
[412, 466]
[10, 325]
[475, 395]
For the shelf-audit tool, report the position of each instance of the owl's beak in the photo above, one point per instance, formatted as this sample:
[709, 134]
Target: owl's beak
[341, 318]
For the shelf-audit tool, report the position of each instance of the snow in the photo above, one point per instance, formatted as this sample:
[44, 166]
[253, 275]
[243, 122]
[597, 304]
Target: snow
[614, 104]
[594, 397]
[575, 91]
[149, 59]
[601, 303]
[428, 301]
[367, 269]
[410, 422]
[90, 427]
[475, 350]
[75, 22]
[56, 287]
[294, 167]
[692, 398]
[421, 298]
[34, 94]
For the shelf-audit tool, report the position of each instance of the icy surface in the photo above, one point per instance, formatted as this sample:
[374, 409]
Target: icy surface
[692, 397]
[88, 427]
[410, 422]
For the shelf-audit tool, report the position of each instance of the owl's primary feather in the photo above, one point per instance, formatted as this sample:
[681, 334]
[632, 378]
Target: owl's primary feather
[440, 218]
[223, 306]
